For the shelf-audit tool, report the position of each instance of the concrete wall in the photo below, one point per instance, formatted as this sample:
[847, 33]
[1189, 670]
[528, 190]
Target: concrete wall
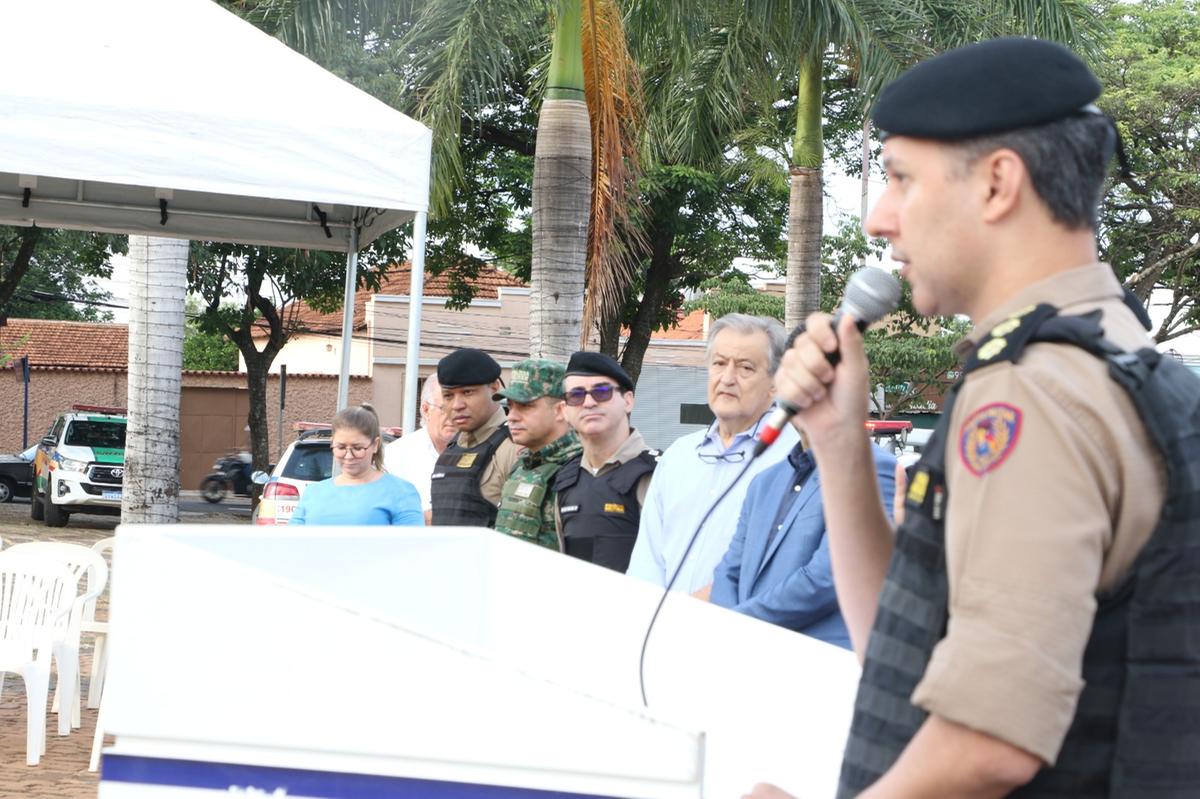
[51, 391]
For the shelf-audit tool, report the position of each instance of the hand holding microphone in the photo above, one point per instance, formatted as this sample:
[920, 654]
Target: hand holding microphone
[871, 294]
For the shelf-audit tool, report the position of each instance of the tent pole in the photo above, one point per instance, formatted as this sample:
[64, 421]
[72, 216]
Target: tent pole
[416, 290]
[343, 396]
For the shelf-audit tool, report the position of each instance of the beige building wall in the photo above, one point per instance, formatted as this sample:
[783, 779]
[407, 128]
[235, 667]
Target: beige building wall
[321, 355]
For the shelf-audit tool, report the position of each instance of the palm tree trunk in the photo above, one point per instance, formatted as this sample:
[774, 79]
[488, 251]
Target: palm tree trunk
[157, 289]
[803, 291]
[561, 196]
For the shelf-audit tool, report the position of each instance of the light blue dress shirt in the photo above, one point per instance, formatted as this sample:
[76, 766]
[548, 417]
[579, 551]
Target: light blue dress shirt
[691, 474]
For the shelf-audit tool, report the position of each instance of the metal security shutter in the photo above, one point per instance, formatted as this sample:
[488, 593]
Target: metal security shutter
[661, 392]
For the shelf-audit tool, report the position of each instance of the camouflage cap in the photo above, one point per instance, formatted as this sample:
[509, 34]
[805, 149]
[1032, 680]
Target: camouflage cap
[532, 379]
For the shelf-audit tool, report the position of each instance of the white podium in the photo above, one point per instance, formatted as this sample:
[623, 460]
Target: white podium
[444, 663]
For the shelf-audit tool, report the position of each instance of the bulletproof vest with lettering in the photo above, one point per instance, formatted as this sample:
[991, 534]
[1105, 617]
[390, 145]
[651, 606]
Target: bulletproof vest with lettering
[1134, 733]
[527, 502]
[455, 493]
[600, 514]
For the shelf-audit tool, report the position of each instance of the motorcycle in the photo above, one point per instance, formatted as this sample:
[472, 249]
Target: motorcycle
[231, 474]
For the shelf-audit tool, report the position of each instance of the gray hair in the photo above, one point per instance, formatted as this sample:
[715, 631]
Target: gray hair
[431, 392]
[746, 324]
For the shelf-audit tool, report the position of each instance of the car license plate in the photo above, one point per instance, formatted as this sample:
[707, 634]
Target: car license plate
[111, 495]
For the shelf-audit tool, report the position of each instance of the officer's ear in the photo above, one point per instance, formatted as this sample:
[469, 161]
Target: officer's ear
[1004, 176]
[560, 410]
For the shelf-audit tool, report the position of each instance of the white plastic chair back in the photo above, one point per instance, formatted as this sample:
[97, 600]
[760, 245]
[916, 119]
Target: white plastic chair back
[103, 548]
[36, 596]
[80, 561]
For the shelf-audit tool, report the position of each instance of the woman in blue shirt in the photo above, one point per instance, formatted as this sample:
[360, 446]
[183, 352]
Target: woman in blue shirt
[363, 493]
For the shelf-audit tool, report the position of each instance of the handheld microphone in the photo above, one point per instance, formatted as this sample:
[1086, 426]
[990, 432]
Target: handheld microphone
[871, 294]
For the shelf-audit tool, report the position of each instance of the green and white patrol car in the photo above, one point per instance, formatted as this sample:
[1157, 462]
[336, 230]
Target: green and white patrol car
[80, 465]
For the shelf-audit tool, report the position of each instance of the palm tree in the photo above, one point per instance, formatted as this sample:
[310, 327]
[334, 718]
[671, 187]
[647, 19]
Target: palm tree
[157, 290]
[466, 52]
[879, 39]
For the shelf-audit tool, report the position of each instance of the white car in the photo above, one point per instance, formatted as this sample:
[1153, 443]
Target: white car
[306, 460]
[79, 465]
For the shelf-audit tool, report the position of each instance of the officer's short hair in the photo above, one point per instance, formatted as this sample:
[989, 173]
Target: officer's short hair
[746, 325]
[1067, 161]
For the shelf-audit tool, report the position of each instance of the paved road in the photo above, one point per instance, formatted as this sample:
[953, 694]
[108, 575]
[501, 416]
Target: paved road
[191, 509]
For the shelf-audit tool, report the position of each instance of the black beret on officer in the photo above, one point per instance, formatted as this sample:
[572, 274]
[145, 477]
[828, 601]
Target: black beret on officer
[989, 87]
[467, 367]
[599, 364]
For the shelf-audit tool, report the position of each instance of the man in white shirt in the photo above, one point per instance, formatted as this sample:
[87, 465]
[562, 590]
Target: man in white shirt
[743, 352]
[413, 455]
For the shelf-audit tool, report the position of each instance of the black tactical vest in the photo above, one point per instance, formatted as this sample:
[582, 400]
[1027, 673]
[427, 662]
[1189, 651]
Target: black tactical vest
[600, 515]
[1136, 731]
[455, 493]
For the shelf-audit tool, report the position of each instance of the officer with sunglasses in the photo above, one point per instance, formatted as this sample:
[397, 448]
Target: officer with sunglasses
[601, 490]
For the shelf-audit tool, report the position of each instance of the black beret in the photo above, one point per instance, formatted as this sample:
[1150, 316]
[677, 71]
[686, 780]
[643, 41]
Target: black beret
[597, 363]
[989, 87]
[467, 367]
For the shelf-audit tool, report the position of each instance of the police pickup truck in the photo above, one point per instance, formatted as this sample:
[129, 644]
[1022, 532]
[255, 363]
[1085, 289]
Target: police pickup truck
[80, 465]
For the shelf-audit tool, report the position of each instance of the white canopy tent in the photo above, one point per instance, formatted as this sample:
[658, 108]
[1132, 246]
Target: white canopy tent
[179, 119]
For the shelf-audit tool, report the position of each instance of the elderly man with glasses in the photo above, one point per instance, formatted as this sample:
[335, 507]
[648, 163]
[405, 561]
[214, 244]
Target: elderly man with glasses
[743, 353]
[601, 491]
[412, 456]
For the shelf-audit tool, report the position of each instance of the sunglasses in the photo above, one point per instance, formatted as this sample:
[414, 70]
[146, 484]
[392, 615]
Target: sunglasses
[601, 393]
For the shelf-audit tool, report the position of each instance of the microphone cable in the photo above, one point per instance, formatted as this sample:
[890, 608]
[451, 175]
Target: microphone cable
[678, 569]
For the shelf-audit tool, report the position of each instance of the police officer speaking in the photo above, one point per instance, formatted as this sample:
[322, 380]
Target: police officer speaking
[469, 474]
[1034, 626]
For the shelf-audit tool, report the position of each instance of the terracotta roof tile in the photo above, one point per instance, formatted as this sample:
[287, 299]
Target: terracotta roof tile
[80, 345]
[397, 283]
[689, 327]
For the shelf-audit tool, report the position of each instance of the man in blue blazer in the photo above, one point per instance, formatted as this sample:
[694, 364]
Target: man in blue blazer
[777, 567]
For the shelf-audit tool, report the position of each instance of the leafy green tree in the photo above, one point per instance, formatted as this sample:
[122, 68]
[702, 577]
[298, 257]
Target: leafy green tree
[873, 42]
[1150, 220]
[732, 293]
[42, 270]
[205, 349]
[911, 357]
[271, 279]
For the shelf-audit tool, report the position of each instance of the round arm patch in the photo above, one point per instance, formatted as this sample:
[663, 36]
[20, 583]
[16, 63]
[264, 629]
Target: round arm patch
[988, 436]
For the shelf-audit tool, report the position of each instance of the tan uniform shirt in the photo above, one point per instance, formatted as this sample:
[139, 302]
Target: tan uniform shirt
[632, 447]
[491, 482]
[1032, 537]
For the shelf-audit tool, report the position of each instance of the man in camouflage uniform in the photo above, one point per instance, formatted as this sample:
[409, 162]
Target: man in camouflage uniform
[536, 422]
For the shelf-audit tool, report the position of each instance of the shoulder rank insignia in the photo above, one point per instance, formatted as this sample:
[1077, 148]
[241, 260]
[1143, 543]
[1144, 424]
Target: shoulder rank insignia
[988, 437]
[1005, 341]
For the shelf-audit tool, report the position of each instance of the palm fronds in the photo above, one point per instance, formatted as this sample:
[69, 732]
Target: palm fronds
[613, 94]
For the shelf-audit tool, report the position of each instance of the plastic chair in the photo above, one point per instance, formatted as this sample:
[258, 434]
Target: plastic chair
[79, 560]
[36, 598]
[99, 629]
